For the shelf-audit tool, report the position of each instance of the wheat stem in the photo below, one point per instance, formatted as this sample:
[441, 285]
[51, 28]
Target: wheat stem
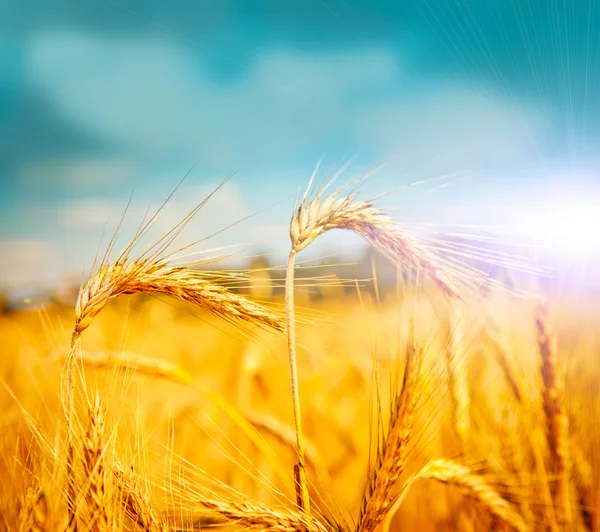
[69, 411]
[302, 497]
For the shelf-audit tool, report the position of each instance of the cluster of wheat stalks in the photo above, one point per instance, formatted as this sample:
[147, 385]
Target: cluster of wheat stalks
[98, 492]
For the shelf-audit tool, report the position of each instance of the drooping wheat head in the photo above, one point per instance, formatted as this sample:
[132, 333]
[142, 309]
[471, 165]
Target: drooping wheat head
[475, 487]
[133, 363]
[149, 273]
[342, 209]
[156, 277]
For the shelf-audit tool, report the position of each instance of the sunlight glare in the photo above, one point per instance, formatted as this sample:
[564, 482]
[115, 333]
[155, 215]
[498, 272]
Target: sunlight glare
[568, 231]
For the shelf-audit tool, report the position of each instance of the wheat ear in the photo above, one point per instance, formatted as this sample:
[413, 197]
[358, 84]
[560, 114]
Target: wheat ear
[318, 214]
[474, 486]
[157, 277]
[255, 516]
[34, 514]
[150, 276]
[136, 502]
[96, 500]
[135, 364]
[556, 419]
[392, 450]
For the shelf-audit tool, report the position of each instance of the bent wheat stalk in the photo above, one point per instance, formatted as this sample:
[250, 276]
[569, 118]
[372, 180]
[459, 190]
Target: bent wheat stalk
[153, 276]
[150, 273]
[311, 218]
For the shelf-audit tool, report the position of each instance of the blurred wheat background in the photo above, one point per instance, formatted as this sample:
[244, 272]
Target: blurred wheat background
[188, 401]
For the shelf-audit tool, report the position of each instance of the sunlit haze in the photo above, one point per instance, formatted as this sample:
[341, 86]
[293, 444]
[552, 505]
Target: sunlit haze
[115, 96]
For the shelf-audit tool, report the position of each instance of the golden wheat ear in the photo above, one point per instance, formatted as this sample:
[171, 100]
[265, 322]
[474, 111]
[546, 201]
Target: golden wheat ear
[33, 516]
[343, 209]
[474, 486]
[557, 423]
[392, 448]
[157, 277]
[96, 500]
[150, 273]
[136, 502]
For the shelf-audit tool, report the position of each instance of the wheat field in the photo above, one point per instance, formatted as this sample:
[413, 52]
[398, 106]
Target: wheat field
[162, 400]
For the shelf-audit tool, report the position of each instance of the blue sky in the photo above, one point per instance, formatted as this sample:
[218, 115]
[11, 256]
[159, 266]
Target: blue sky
[98, 97]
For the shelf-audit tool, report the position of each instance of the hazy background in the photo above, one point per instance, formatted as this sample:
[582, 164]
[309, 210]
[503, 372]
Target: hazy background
[99, 97]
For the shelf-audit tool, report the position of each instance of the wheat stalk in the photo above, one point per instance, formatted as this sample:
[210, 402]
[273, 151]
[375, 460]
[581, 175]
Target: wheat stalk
[302, 496]
[456, 369]
[583, 477]
[506, 365]
[474, 486]
[311, 218]
[150, 277]
[152, 274]
[287, 436]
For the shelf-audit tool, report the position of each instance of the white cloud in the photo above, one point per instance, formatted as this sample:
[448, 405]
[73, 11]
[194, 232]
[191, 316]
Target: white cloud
[157, 97]
[28, 263]
[456, 124]
[89, 213]
[79, 173]
[81, 225]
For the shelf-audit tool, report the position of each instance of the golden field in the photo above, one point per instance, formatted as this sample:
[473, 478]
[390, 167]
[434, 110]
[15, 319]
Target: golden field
[170, 396]
[188, 401]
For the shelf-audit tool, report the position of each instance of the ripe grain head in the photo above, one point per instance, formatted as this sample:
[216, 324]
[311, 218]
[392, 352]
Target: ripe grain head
[476, 487]
[345, 210]
[392, 448]
[157, 277]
